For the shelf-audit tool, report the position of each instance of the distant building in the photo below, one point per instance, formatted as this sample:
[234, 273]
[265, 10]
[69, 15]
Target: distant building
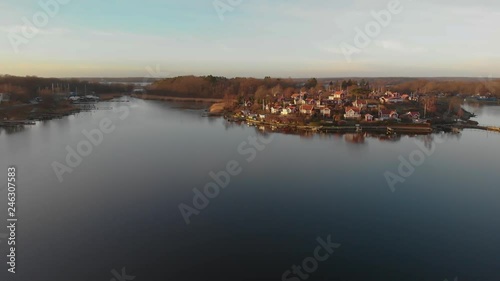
[139, 91]
[4, 97]
[360, 104]
[338, 95]
[307, 109]
[413, 115]
[352, 113]
[385, 114]
[276, 109]
[325, 111]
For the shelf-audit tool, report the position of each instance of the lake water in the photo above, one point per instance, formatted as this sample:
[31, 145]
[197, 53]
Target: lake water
[487, 115]
[119, 207]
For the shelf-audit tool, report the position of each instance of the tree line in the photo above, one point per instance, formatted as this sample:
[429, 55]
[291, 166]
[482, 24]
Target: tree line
[26, 88]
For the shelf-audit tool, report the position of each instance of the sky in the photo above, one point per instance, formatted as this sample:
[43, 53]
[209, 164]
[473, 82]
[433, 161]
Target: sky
[236, 38]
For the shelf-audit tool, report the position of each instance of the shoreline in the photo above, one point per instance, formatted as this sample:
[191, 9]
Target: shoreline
[20, 115]
[179, 99]
[388, 129]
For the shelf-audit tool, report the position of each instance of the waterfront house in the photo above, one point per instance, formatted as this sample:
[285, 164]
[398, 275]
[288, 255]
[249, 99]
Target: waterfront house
[252, 116]
[360, 104]
[245, 113]
[414, 115]
[286, 111]
[352, 113]
[307, 109]
[325, 111]
[275, 109]
[385, 114]
[369, 117]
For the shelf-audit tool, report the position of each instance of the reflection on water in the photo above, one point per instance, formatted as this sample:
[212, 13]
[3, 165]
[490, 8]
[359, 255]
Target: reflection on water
[487, 115]
[11, 129]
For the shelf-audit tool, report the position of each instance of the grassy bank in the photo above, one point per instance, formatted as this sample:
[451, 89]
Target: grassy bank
[15, 112]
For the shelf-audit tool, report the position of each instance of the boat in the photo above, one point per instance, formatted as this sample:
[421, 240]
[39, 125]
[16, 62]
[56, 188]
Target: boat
[488, 99]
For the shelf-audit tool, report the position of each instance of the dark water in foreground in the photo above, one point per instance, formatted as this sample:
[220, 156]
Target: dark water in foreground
[120, 207]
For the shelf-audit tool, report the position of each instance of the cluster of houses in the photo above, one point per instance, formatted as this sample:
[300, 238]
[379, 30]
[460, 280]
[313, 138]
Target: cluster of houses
[332, 103]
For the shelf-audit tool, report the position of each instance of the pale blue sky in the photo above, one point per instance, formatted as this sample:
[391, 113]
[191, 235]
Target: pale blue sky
[279, 38]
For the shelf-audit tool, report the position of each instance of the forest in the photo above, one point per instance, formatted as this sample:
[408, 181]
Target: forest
[219, 87]
[26, 88]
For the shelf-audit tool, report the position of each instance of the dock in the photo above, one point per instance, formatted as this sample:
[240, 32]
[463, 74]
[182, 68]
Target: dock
[493, 129]
[483, 128]
[15, 123]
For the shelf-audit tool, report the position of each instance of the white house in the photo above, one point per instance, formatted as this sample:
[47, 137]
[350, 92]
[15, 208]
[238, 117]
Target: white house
[307, 109]
[286, 111]
[352, 113]
[340, 95]
[301, 101]
[388, 114]
[275, 109]
[369, 117]
[325, 111]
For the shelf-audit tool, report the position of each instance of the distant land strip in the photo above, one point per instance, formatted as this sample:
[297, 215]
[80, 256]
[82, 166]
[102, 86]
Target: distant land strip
[167, 98]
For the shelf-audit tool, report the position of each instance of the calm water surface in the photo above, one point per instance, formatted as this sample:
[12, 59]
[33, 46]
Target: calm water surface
[120, 207]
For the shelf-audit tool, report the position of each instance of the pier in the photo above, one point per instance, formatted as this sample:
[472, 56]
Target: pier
[15, 123]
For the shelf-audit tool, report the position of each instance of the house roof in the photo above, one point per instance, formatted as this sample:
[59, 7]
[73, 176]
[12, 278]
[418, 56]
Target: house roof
[387, 111]
[353, 109]
[307, 107]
